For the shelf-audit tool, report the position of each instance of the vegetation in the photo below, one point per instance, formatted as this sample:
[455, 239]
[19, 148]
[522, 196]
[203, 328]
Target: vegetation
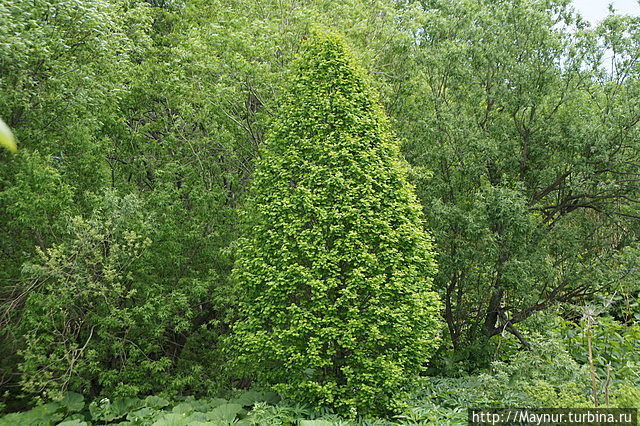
[337, 268]
[328, 212]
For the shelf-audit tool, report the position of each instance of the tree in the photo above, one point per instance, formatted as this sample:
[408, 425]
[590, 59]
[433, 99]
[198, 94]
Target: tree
[59, 75]
[100, 319]
[336, 268]
[533, 150]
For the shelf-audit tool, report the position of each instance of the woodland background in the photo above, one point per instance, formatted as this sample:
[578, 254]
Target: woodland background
[140, 123]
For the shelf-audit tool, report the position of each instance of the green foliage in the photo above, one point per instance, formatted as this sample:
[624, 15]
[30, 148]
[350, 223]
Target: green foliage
[554, 373]
[85, 307]
[134, 411]
[626, 395]
[615, 356]
[552, 379]
[531, 148]
[248, 408]
[59, 412]
[59, 70]
[336, 269]
[547, 376]
[37, 201]
[141, 122]
[94, 321]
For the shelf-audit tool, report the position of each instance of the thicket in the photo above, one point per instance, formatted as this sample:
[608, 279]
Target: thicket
[146, 128]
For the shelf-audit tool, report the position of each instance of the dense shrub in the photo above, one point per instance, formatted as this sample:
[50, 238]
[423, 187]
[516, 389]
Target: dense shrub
[336, 268]
[97, 318]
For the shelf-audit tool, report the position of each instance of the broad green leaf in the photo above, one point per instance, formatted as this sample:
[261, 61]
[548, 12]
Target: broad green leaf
[74, 422]
[183, 408]
[225, 412]
[73, 401]
[250, 397]
[143, 413]
[172, 419]
[155, 402]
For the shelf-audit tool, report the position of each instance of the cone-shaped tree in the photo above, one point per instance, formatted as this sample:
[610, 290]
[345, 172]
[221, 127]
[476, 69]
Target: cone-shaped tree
[336, 269]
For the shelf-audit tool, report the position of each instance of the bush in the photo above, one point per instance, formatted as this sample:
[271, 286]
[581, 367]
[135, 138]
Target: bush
[336, 268]
[98, 320]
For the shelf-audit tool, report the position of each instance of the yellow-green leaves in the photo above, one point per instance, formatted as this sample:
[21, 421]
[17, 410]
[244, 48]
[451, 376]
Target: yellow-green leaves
[6, 137]
[336, 269]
